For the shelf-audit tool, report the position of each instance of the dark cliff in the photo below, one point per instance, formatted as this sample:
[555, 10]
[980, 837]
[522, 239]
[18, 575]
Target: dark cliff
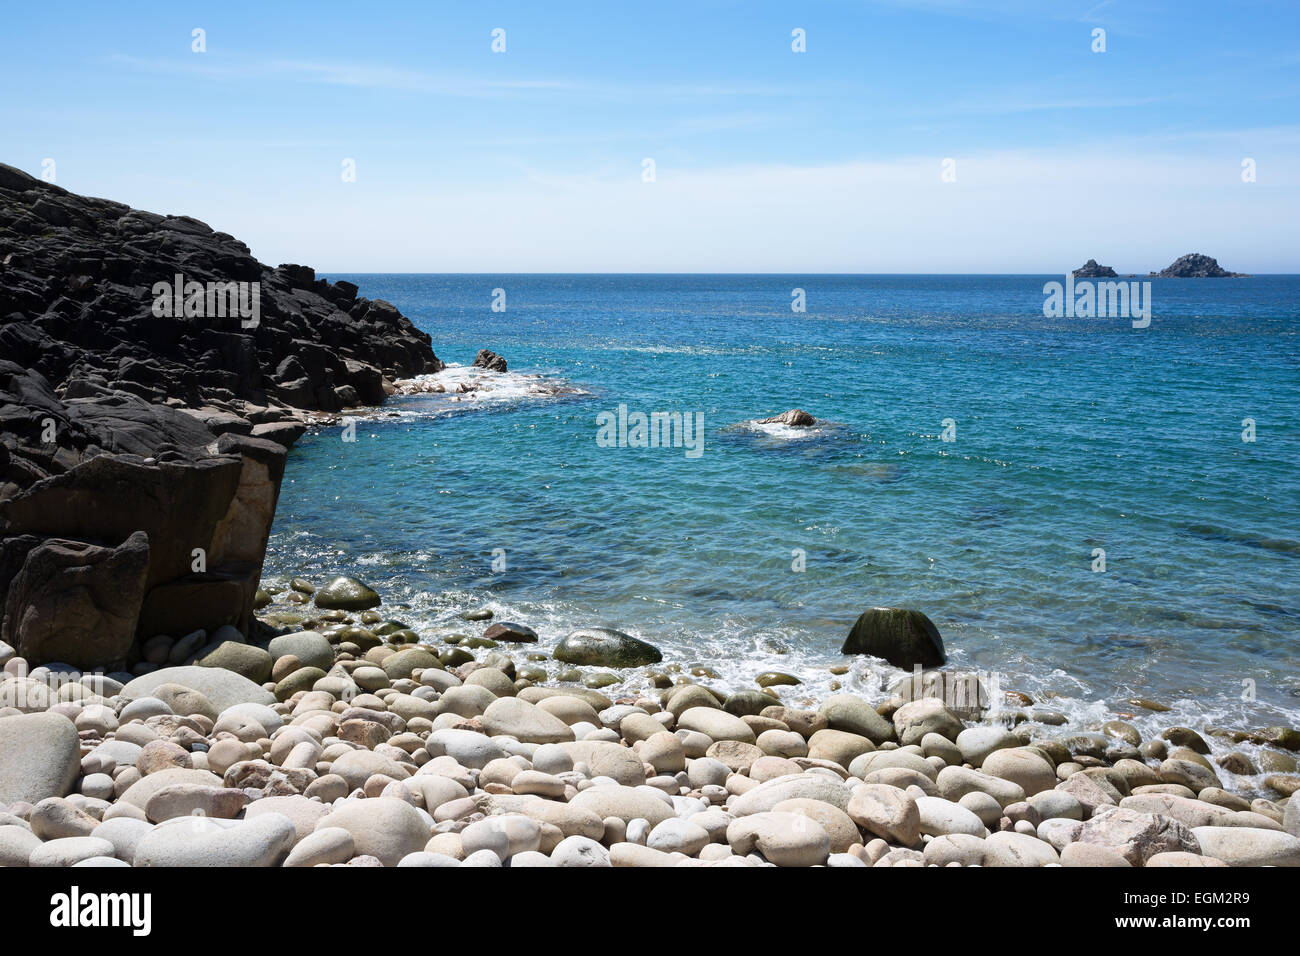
[143, 434]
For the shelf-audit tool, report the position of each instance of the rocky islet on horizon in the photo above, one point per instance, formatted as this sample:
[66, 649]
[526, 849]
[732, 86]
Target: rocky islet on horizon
[1191, 266]
[1090, 270]
[1196, 266]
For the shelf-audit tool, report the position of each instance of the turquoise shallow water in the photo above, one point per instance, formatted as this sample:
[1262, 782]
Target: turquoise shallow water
[1072, 435]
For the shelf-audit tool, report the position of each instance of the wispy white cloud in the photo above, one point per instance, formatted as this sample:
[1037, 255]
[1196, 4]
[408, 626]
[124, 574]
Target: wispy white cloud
[380, 77]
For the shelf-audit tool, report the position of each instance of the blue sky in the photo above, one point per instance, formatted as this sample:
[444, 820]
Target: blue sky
[765, 160]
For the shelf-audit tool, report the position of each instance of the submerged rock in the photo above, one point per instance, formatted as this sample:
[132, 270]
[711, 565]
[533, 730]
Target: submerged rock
[902, 636]
[606, 647]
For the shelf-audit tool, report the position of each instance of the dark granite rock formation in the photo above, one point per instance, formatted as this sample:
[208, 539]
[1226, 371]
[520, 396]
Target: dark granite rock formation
[1090, 270]
[142, 448]
[489, 360]
[1196, 266]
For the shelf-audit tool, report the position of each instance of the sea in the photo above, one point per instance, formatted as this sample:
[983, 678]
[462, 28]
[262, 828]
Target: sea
[1090, 511]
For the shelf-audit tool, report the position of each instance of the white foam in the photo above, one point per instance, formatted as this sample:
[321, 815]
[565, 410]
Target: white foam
[790, 433]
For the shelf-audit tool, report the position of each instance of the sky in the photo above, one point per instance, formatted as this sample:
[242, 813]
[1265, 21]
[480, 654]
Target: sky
[534, 159]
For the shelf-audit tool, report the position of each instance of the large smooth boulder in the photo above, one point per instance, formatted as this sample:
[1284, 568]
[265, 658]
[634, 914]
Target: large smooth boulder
[222, 687]
[310, 647]
[40, 756]
[854, 715]
[1249, 846]
[902, 636]
[383, 827]
[346, 594]
[77, 603]
[625, 803]
[786, 839]
[202, 841]
[526, 722]
[247, 660]
[605, 647]
[809, 786]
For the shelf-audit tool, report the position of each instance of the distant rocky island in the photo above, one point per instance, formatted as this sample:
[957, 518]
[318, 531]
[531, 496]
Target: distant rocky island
[1090, 270]
[1191, 266]
[1196, 266]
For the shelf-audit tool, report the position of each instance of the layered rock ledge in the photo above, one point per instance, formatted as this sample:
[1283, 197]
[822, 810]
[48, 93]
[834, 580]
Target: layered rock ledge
[142, 447]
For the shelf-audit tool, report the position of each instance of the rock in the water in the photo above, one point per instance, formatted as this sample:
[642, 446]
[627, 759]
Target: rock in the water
[901, 636]
[346, 594]
[605, 647]
[40, 756]
[510, 632]
[1196, 266]
[1090, 270]
[489, 360]
[795, 416]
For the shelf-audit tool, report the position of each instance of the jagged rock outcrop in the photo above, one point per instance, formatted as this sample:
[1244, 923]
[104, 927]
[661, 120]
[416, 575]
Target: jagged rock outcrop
[1196, 266]
[490, 361]
[1090, 270]
[77, 301]
[142, 445]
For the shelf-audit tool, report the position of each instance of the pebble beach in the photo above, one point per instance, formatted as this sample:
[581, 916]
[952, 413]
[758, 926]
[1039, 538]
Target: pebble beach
[351, 740]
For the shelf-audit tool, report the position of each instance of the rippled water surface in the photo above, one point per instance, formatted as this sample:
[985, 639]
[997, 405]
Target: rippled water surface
[1072, 435]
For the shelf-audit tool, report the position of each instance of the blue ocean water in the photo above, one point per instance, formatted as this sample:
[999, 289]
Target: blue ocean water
[1071, 435]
